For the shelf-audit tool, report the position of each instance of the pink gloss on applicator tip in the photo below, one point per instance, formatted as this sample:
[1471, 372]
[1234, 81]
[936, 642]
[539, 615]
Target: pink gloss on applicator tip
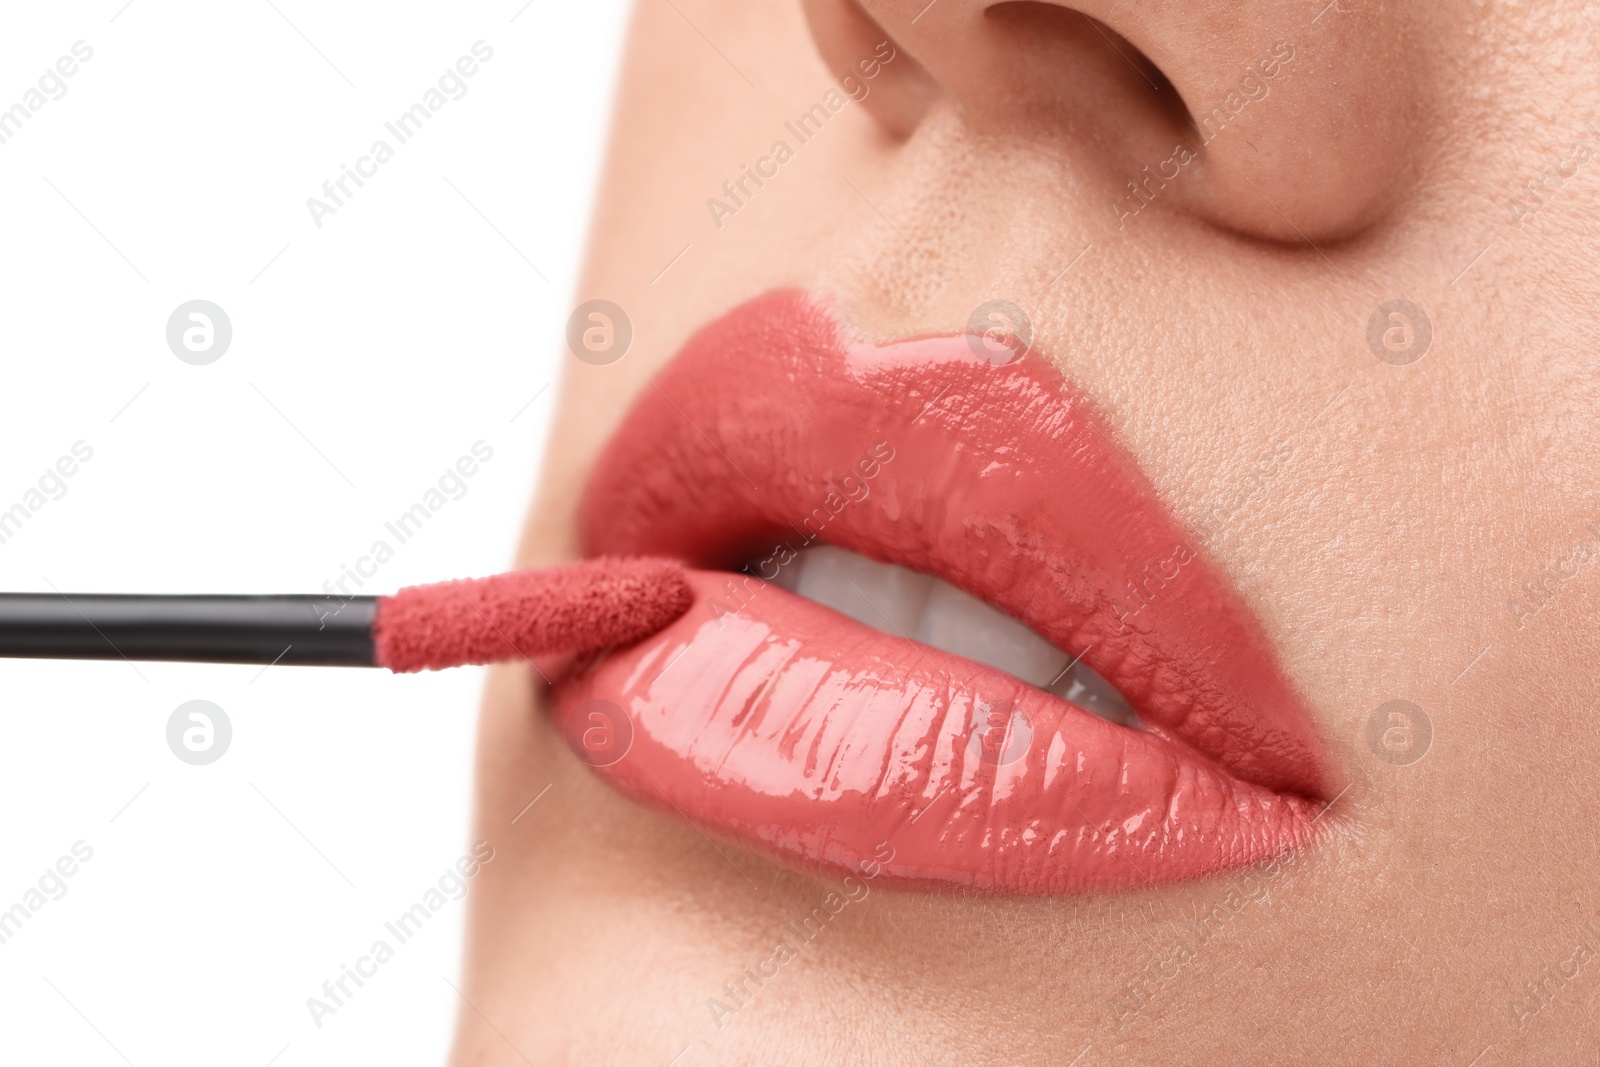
[572, 607]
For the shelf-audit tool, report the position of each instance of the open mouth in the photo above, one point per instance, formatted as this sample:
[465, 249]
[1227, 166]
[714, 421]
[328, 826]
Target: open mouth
[920, 607]
[944, 631]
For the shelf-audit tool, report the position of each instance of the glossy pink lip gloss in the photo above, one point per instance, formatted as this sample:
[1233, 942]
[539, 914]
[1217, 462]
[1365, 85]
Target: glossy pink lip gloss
[798, 732]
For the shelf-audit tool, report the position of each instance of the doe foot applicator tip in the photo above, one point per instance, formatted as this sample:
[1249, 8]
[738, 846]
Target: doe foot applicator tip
[571, 607]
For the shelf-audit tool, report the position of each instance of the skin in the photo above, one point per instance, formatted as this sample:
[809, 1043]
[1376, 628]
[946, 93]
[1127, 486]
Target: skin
[1382, 520]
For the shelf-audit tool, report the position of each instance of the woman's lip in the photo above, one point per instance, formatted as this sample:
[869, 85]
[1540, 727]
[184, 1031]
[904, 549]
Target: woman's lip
[804, 735]
[770, 431]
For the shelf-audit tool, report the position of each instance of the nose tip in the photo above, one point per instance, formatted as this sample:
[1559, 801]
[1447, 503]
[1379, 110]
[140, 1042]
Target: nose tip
[1275, 119]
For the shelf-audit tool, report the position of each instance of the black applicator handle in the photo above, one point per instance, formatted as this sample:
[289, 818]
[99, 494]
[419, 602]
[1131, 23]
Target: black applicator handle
[308, 630]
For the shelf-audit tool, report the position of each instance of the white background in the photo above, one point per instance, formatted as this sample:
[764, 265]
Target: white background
[367, 356]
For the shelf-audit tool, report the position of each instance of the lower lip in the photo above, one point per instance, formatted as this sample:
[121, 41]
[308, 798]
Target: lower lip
[821, 743]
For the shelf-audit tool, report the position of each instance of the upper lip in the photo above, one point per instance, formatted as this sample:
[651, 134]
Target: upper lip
[1004, 482]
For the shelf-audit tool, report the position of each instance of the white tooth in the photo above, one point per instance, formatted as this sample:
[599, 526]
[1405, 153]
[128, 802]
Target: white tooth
[901, 601]
[788, 576]
[960, 623]
[879, 595]
[1094, 694]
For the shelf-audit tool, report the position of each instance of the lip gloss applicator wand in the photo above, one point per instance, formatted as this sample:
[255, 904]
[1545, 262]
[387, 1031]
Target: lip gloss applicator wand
[572, 607]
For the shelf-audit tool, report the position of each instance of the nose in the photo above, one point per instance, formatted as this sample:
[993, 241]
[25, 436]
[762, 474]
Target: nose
[1282, 120]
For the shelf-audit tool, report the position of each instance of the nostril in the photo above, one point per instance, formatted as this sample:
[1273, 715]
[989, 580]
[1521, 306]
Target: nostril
[1060, 35]
[1251, 119]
